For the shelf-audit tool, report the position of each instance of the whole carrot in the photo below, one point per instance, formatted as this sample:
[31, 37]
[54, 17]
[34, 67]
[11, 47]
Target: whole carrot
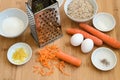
[106, 39]
[68, 58]
[97, 41]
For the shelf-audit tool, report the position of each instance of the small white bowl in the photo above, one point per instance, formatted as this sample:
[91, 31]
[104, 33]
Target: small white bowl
[104, 59]
[18, 14]
[94, 4]
[104, 22]
[13, 48]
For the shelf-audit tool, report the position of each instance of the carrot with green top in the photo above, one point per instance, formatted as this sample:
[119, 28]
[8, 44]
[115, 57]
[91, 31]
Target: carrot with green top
[97, 41]
[104, 37]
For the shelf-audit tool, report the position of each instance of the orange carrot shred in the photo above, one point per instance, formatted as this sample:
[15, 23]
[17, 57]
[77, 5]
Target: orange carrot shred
[47, 58]
[41, 71]
[49, 73]
[61, 66]
[36, 67]
[34, 71]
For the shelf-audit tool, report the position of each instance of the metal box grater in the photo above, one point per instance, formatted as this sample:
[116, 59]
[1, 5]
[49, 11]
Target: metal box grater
[45, 23]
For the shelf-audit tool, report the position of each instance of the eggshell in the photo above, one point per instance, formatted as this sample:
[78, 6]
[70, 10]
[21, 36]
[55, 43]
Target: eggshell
[76, 39]
[87, 45]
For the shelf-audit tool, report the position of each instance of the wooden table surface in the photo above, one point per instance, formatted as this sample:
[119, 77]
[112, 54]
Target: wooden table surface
[85, 72]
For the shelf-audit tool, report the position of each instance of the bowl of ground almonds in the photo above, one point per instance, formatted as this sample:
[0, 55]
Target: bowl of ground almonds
[80, 10]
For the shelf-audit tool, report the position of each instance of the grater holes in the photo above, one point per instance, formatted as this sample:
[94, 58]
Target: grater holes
[53, 9]
[47, 11]
[47, 23]
[48, 26]
[40, 16]
[56, 18]
[43, 24]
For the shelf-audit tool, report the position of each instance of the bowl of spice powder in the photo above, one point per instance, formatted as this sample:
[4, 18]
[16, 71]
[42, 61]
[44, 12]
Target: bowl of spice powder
[104, 59]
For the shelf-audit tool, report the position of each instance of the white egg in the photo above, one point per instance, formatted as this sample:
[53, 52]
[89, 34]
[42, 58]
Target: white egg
[87, 45]
[76, 39]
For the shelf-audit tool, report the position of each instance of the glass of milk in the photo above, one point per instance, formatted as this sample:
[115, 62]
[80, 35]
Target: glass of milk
[13, 22]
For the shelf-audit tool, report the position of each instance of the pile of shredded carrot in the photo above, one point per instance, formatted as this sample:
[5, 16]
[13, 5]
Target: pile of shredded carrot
[48, 60]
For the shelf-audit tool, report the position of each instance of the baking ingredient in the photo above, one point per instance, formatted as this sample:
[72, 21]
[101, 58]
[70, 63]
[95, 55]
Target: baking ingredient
[19, 55]
[12, 26]
[106, 39]
[80, 9]
[54, 51]
[48, 59]
[76, 39]
[104, 22]
[97, 41]
[67, 58]
[87, 45]
[105, 62]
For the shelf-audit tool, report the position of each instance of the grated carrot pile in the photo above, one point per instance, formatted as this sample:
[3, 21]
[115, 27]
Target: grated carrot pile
[48, 60]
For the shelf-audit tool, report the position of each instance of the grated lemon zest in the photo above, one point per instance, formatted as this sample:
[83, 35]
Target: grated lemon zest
[19, 55]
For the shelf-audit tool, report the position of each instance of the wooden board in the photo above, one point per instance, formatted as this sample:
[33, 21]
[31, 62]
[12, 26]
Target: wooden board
[85, 72]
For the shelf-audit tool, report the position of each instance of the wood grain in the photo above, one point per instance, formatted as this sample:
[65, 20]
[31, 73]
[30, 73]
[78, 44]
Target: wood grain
[85, 72]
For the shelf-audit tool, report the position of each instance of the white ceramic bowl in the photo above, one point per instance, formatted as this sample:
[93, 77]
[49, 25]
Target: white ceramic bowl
[16, 13]
[104, 22]
[93, 2]
[14, 47]
[104, 59]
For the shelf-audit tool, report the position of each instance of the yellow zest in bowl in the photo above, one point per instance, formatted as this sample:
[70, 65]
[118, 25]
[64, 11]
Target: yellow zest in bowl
[19, 55]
